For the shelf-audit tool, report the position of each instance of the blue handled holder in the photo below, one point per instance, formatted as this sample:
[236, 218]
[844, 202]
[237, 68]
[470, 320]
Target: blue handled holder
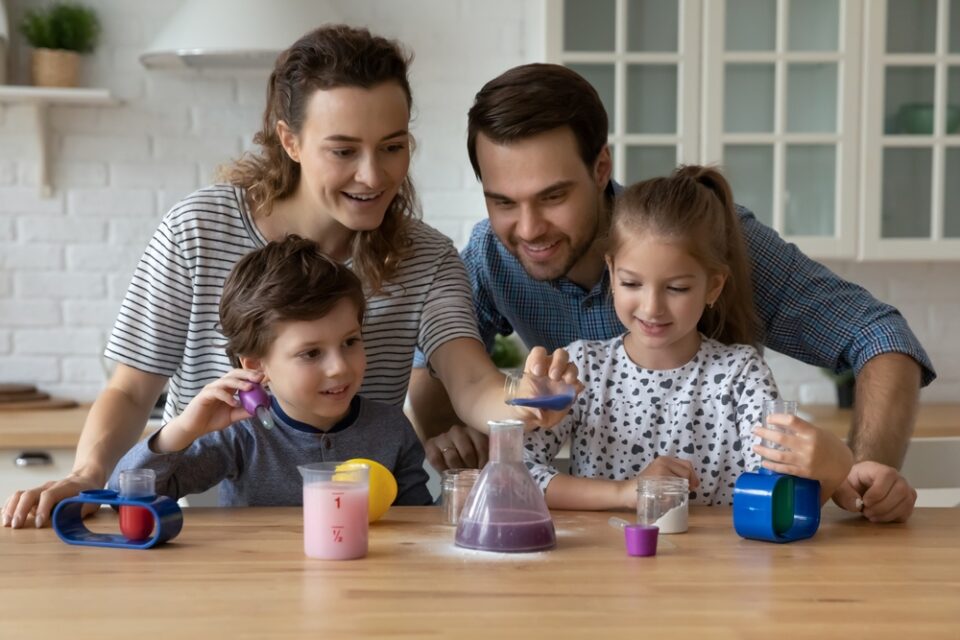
[68, 522]
[775, 507]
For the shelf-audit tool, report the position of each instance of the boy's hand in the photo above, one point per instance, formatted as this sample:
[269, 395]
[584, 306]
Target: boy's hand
[878, 491]
[214, 408]
[557, 367]
[810, 452]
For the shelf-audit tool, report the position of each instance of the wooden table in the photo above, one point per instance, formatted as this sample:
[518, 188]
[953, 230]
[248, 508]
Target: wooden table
[241, 573]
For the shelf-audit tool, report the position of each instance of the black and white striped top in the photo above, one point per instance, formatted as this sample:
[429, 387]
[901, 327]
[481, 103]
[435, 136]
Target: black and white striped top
[168, 320]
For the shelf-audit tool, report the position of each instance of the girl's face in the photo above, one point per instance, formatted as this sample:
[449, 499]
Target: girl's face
[354, 152]
[659, 293]
[315, 367]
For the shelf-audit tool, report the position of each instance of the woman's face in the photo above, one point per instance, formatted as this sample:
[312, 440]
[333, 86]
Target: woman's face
[354, 152]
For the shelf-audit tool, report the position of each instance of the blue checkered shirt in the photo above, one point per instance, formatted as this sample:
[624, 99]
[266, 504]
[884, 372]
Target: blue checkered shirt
[807, 311]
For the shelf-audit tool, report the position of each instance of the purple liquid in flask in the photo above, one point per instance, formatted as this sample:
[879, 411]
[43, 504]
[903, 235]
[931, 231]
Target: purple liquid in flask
[506, 511]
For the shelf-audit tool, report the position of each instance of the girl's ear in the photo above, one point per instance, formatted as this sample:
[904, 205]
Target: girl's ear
[715, 287]
[289, 141]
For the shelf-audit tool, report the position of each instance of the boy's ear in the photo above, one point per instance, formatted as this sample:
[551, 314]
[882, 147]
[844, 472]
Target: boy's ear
[253, 364]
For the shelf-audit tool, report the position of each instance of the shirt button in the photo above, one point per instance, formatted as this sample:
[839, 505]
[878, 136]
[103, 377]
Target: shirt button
[588, 304]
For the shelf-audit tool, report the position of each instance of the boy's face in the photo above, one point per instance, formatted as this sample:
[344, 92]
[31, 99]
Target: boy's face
[315, 367]
[544, 203]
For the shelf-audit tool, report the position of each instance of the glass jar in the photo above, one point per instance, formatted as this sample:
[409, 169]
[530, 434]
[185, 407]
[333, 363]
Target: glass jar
[455, 487]
[663, 501]
[538, 392]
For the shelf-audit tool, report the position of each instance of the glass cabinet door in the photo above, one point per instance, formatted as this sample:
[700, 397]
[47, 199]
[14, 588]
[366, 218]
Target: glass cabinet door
[643, 58]
[912, 130]
[780, 114]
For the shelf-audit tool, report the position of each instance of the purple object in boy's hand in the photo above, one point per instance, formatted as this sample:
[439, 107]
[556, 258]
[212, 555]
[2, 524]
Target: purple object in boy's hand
[641, 539]
[257, 403]
[253, 398]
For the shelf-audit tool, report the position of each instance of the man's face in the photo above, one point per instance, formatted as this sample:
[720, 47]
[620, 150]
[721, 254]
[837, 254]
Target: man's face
[544, 203]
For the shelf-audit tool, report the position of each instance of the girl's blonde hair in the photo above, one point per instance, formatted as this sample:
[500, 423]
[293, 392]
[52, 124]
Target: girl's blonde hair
[326, 58]
[695, 206]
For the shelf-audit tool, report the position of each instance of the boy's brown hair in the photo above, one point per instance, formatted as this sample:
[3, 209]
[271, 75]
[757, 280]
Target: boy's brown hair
[694, 206]
[289, 279]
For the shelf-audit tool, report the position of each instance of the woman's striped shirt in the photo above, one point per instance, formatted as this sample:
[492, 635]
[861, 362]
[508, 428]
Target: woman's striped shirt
[168, 322]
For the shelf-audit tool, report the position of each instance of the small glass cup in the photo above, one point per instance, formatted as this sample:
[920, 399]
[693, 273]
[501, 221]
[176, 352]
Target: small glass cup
[335, 507]
[663, 501]
[540, 392]
[136, 523]
[455, 487]
[774, 407]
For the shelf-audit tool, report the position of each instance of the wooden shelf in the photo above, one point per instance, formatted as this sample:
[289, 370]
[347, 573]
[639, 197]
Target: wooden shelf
[37, 99]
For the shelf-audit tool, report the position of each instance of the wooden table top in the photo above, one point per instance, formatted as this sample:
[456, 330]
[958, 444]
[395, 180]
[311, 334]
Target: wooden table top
[241, 573]
[61, 428]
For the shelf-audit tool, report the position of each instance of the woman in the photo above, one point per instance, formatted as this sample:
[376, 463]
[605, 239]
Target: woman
[333, 168]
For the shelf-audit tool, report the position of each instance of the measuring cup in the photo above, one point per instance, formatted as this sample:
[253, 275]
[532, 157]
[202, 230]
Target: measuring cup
[335, 503]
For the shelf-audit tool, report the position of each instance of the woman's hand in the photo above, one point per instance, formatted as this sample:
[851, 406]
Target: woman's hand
[214, 408]
[23, 507]
[808, 452]
[556, 366]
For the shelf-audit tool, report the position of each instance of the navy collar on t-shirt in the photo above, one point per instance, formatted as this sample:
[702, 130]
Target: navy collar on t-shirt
[341, 425]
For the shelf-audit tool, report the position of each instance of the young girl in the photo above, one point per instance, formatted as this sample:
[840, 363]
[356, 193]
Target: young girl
[680, 393]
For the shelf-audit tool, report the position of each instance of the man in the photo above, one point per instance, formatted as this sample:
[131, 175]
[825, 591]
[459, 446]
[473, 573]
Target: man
[537, 139]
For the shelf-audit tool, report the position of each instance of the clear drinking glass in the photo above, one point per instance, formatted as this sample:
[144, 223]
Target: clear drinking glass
[455, 488]
[663, 501]
[776, 407]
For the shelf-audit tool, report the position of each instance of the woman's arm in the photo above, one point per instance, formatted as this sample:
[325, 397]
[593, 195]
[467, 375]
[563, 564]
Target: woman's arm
[114, 424]
[476, 385]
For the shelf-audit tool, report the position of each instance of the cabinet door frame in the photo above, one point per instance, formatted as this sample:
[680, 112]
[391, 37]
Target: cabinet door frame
[687, 58]
[872, 245]
[843, 243]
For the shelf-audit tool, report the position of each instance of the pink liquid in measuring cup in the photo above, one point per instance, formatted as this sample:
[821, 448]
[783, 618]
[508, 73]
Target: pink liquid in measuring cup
[335, 520]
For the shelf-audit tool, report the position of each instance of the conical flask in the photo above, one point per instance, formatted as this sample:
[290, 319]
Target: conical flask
[505, 511]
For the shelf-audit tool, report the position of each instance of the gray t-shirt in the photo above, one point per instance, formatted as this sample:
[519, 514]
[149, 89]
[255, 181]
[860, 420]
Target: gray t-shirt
[258, 466]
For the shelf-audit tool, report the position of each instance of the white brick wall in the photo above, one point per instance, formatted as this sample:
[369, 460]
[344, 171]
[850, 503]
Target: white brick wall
[65, 261]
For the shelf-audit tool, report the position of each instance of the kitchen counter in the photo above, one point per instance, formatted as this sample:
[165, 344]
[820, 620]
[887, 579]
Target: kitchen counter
[61, 427]
[241, 573]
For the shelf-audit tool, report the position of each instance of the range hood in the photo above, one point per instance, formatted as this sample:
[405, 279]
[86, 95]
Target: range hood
[233, 34]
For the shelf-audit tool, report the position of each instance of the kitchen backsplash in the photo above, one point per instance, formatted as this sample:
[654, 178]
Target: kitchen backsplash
[65, 261]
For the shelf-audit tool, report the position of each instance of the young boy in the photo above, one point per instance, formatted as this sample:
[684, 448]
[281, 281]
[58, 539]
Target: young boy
[292, 318]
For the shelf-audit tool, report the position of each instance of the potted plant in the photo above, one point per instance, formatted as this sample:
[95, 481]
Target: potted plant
[507, 353]
[846, 385]
[59, 33]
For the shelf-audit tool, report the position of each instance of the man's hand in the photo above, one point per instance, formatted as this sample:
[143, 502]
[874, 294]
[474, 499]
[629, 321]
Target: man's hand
[879, 491]
[459, 448]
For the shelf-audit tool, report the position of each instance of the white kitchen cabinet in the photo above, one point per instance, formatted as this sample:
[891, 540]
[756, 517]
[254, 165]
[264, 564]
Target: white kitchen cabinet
[836, 121]
[24, 468]
[911, 159]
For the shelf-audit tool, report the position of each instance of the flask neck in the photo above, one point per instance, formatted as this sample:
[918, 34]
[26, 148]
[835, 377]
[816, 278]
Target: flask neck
[506, 441]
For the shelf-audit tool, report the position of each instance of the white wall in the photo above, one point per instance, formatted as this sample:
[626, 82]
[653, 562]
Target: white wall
[65, 261]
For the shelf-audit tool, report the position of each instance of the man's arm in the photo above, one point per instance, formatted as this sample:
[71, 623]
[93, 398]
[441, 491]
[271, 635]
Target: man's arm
[888, 393]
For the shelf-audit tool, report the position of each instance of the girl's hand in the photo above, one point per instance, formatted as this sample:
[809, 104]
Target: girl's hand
[671, 467]
[810, 452]
[214, 408]
[557, 367]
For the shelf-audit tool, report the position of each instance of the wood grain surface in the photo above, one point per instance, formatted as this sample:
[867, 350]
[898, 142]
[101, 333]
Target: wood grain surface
[241, 573]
